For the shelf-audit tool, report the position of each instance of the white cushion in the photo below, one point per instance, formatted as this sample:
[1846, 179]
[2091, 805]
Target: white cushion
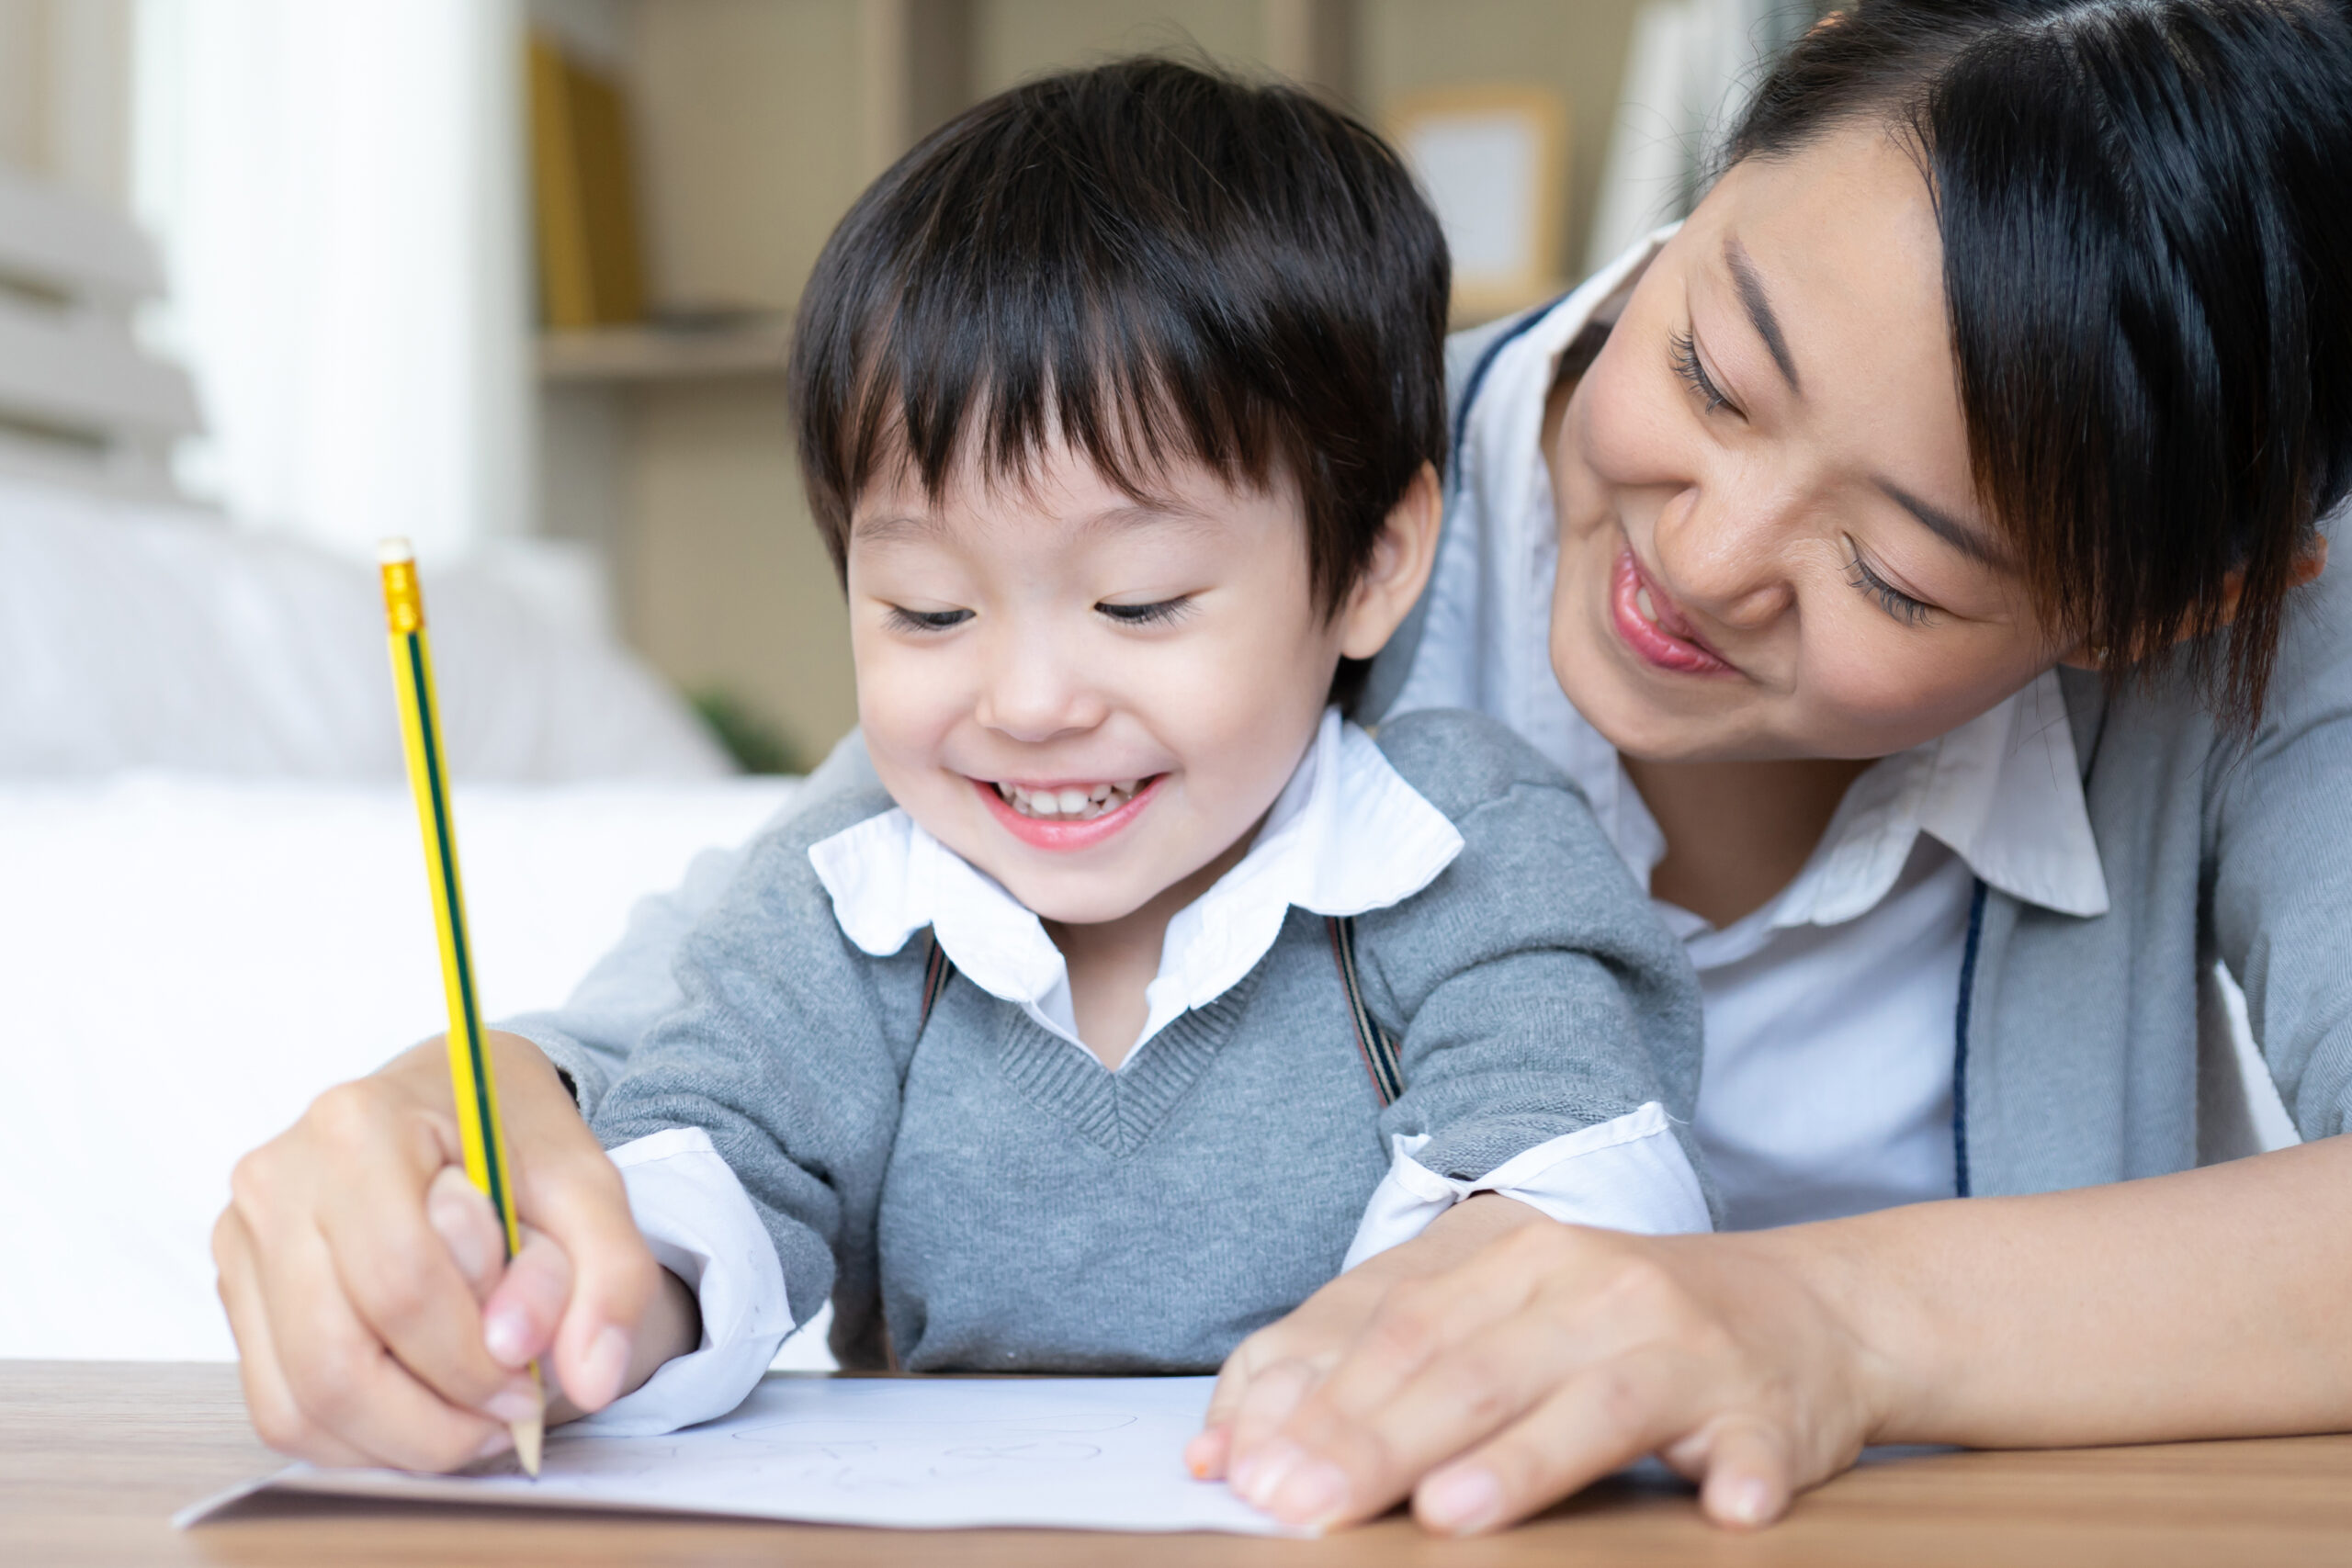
[135, 636]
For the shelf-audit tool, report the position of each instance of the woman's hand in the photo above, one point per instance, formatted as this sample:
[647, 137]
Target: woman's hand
[1546, 1359]
[374, 1324]
[2203, 1305]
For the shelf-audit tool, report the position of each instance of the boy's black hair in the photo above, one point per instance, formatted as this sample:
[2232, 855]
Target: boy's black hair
[1154, 263]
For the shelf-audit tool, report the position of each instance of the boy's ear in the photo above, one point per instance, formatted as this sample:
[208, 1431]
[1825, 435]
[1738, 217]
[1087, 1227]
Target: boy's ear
[1399, 570]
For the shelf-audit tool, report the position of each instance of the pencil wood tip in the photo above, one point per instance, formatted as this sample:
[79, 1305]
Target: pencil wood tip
[394, 551]
[529, 1436]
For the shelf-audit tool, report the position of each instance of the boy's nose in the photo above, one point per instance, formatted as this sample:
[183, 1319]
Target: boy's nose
[1032, 693]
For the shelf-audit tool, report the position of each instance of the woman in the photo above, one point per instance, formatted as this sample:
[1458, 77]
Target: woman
[1925, 543]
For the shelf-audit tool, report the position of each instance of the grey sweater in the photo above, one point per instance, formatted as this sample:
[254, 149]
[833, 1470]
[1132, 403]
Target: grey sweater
[1006, 1203]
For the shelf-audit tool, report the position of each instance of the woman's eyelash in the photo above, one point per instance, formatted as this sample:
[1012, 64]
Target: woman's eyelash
[1154, 614]
[926, 620]
[1684, 357]
[1893, 599]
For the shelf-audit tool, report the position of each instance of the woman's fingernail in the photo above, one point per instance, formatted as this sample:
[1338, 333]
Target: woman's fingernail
[602, 1367]
[1262, 1477]
[1461, 1501]
[1748, 1500]
[1314, 1494]
[506, 1335]
[514, 1404]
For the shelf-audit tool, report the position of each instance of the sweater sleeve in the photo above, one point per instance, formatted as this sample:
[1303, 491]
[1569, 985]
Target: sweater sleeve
[632, 987]
[1549, 1025]
[2279, 861]
[787, 1053]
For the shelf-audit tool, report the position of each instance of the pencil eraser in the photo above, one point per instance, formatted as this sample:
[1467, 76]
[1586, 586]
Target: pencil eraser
[394, 551]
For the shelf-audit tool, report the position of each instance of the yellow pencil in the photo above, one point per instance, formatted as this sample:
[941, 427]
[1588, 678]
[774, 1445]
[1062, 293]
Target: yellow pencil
[469, 1070]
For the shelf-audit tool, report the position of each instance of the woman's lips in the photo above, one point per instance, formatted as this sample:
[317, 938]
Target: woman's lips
[1649, 623]
[1065, 835]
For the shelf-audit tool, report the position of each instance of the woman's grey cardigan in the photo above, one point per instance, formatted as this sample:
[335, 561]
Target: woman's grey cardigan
[2085, 1051]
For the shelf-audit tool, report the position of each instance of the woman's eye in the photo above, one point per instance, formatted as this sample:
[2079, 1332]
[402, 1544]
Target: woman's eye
[1160, 614]
[1893, 599]
[907, 620]
[1684, 353]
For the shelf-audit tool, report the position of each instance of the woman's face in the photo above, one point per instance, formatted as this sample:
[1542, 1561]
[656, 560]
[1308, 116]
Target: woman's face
[1771, 546]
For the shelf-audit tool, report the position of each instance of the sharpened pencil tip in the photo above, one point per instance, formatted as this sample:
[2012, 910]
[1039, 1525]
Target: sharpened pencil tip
[394, 551]
[528, 1436]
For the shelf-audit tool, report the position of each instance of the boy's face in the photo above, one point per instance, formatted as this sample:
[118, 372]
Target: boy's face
[1088, 698]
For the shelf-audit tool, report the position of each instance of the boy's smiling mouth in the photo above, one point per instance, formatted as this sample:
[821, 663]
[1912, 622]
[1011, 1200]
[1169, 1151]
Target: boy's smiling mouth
[1068, 803]
[1066, 816]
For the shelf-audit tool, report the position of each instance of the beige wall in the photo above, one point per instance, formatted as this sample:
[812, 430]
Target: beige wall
[1014, 39]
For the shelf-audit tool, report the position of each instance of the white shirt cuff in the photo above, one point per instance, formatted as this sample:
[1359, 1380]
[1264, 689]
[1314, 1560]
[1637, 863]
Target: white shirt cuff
[1627, 1174]
[701, 1226]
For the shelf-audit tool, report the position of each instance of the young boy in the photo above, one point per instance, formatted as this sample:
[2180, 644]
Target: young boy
[1152, 993]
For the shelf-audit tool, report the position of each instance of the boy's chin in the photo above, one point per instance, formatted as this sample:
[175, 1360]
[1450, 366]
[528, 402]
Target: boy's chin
[1067, 906]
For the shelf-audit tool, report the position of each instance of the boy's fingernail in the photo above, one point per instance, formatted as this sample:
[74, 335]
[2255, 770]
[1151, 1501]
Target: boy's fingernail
[506, 1335]
[512, 1405]
[1262, 1477]
[498, 1442]
[1462, 1501]
[454, 1224]
[1313, 1493]
[601, 1366]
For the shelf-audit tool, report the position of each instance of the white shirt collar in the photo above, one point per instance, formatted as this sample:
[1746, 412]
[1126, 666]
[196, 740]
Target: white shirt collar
[1347, 834]
[2003, 792]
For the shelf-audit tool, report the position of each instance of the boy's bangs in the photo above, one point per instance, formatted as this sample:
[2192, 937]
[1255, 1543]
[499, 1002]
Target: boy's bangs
[1020, 381]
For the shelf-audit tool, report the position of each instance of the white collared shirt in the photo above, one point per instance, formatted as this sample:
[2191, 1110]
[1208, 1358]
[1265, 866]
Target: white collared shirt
[1831, 1012]
[1347, 834]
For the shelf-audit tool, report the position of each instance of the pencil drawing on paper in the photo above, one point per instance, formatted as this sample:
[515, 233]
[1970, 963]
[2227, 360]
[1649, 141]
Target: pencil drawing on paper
[1091, 1453]
[855, 1455]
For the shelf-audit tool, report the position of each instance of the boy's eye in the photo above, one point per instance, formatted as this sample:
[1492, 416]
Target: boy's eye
[907, 620]
[1684, 353]
[1153, 614]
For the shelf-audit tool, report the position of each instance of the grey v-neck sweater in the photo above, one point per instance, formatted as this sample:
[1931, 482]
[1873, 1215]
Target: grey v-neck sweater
[1006, 1203]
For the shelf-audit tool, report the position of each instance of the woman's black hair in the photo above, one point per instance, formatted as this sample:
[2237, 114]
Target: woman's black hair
[1152, 262]
[2146, 212]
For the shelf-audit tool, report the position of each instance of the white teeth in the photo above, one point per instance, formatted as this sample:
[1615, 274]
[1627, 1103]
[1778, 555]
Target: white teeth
[1646, 605]
[1082, 803]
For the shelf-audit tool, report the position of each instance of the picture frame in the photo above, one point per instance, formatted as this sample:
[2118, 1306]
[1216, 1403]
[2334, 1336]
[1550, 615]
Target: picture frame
[1493, 157]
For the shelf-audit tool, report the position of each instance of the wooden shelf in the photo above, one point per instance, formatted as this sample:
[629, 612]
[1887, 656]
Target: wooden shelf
[611, 354]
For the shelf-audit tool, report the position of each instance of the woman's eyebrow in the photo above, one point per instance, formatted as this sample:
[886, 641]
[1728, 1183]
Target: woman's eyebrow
[1750, 284]
[1967, 540]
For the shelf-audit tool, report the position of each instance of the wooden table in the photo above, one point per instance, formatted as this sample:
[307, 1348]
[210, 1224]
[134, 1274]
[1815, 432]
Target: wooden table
[95, 1458]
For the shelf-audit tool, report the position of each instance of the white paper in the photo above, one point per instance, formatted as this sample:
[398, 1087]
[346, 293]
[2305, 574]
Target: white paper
[909, 1453]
